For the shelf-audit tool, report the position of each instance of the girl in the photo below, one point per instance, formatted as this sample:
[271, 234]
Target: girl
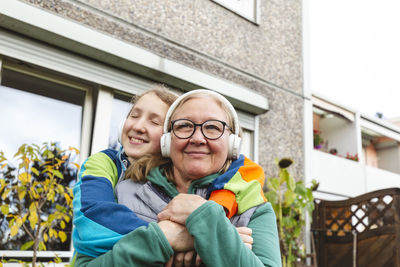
[99, 221]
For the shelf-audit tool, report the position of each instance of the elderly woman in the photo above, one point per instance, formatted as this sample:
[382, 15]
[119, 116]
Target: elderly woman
[182, 192]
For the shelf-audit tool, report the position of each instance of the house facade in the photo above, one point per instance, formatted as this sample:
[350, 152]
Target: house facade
[68, 69]
[351, 153]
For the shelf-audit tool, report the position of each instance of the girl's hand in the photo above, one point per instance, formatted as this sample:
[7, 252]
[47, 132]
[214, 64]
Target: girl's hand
[245, 235]
[180, 207]
[184, 259]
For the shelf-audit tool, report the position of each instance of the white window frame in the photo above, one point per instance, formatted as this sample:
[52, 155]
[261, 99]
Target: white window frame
[234, 7]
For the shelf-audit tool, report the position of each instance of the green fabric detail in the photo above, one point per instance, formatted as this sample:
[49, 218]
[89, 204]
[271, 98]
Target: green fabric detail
[202, 182]
[157, 177]
[247, 193]
[219, 245]
[145, 246]
[101, 165]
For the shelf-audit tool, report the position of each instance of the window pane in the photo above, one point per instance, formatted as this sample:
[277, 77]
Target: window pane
[247, 143]
[121, 107]
[34, 111]
[30, 118]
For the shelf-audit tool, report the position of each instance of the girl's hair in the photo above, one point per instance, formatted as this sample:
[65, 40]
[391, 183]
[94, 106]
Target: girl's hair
[143, 165]
[140, 168]
[161, 91]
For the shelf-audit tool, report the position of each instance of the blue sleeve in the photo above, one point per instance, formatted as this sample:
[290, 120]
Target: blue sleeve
[99, 221]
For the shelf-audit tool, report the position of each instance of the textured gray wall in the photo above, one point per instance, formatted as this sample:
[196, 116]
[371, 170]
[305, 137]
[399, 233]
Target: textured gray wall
[266, 58]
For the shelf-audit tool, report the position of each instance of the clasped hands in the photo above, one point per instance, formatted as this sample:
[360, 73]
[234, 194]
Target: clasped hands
[172, 222]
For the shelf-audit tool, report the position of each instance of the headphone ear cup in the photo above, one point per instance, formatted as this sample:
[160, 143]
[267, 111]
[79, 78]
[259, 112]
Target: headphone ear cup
[165, 144]
[235, 143]
[120, 127]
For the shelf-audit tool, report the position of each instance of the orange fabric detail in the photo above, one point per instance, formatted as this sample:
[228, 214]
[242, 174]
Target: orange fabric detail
[226, 199]
[251, 171]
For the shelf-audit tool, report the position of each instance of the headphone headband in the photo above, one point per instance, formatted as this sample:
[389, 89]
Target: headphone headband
[206, 92]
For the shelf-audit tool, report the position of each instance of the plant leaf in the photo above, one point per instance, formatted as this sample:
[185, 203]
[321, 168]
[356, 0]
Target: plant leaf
[45, 237]
[62, 235]
[42, 246]
[35, 171]
[21, 194]
[273, 184]
[27, 245]
[4, 209]
[14, 230]
[58, 174]
[290, 196]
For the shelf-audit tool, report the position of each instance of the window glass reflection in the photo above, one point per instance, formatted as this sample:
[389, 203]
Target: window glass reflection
[120, 108]
[247, 143]
[31, 118]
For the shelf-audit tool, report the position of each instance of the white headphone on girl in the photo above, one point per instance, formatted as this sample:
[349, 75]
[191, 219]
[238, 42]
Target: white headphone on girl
[234, 139]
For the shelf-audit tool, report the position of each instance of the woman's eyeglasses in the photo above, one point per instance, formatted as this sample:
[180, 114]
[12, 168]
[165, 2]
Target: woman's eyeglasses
[211, 129]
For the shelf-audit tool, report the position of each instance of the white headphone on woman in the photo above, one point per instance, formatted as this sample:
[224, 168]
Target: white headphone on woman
[234, 139]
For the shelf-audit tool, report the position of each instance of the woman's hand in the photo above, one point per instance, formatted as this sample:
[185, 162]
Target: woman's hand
[177, 235]
[180, 207]
[245, 235]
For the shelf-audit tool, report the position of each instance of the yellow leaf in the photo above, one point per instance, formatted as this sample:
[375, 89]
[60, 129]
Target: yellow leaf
[74, 149]
[51, 233]
[66, 218]
[25, 177]
[63, 236]
[2, 166]
[42, 246]
[33, 219]
[32, 207]
[5, 193]
[21, 195]
[35, 195]
[26, 163]
[62, 224]
[35, 171]
[67, 198]
[50, 195]
[58, 174]
[19, 221]
[14, 230]
[45, 237]
[4, 209]
[24, 218]
[60, 188]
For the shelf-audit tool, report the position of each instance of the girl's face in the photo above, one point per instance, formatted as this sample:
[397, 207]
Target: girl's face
[144, 126]
[197, 156]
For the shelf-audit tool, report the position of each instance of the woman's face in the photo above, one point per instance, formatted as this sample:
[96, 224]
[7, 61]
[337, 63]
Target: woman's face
[144, 126]
[198, 156]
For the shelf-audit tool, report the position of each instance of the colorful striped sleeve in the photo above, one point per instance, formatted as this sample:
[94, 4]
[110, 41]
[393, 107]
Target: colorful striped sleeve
[240, 187]
[99, 221]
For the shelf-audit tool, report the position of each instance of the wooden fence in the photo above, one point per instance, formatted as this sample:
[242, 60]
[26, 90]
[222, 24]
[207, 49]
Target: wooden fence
[362, 231]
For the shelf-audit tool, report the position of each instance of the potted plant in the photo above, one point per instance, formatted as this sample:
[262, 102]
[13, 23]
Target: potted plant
[318, 140]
